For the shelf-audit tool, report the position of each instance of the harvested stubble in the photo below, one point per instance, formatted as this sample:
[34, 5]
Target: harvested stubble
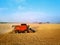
[46, 34]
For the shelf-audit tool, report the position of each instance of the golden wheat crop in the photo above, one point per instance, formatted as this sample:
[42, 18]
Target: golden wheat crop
[46, 34]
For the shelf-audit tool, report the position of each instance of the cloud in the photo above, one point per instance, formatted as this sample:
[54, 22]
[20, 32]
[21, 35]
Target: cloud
[24, 8]
[19, 1]
[29, 16]
[21, 8]
[3, 8]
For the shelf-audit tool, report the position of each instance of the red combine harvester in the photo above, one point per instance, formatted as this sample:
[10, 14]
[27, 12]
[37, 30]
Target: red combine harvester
[22, 28]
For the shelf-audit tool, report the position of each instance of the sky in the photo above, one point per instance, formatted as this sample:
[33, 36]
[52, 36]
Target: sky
[30, 11]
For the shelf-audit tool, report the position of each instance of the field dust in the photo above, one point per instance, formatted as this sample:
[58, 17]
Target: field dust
[46, 34]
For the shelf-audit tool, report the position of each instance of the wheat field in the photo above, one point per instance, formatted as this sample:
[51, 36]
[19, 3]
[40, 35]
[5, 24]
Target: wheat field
[46, 34]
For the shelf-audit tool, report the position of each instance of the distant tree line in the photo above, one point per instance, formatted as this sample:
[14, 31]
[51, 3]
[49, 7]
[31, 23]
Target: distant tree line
[3, 22]
[43, 22]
